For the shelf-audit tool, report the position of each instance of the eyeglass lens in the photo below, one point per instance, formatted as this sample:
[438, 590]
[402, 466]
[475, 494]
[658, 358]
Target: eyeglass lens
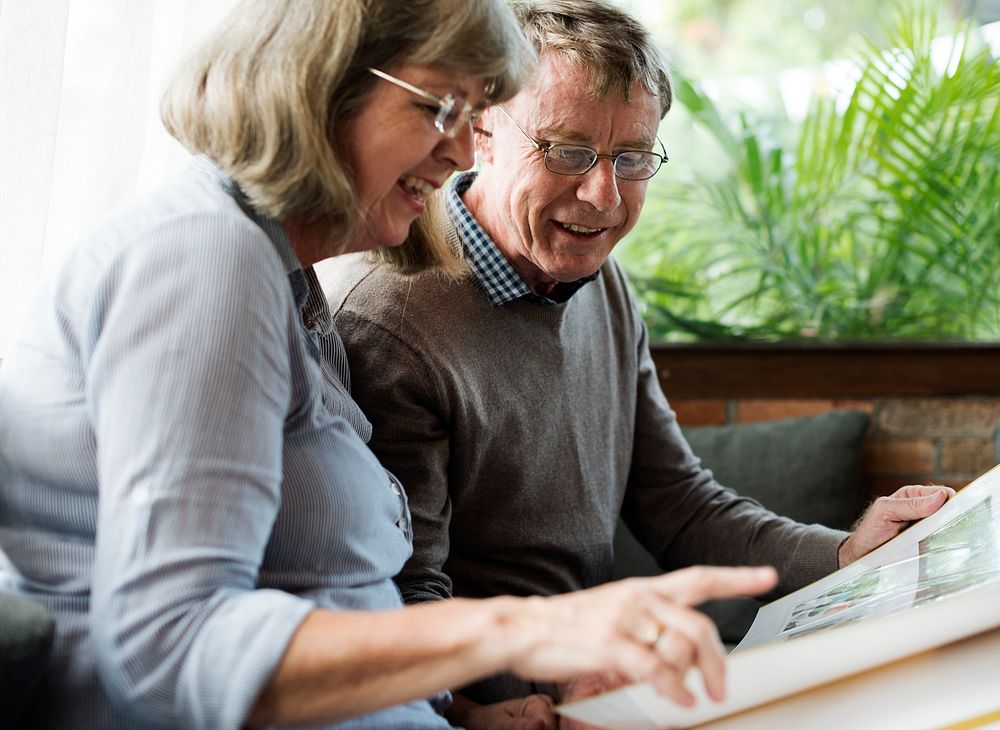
[454, 112]
[575, 160]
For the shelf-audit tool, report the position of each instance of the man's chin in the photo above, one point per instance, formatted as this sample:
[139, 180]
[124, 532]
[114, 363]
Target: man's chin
[570, 274]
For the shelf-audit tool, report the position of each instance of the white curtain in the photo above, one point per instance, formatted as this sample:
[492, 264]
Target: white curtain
[80, 82]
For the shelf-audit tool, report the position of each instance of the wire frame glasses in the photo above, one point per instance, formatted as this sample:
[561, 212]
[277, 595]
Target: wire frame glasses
[453, 111]
[575, 159]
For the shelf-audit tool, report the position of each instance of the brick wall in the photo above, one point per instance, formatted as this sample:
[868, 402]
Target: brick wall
[947, 440]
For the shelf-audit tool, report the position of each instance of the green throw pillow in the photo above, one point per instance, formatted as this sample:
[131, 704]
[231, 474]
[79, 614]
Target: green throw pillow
[808, 469]
[26, 631]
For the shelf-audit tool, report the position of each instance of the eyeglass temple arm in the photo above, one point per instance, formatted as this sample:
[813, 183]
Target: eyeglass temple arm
[534, 144]
[409, 87]
[663, 149]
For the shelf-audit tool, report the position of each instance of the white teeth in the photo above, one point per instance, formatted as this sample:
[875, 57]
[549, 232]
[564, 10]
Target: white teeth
[579, 229]
[421, 188]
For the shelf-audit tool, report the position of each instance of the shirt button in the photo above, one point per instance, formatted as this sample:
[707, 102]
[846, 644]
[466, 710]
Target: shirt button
[395, 488]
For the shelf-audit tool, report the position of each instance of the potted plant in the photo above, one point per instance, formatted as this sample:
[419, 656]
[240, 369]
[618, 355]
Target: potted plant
[874, 219]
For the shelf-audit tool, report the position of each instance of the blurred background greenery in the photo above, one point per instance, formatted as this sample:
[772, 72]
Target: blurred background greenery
[833, 172]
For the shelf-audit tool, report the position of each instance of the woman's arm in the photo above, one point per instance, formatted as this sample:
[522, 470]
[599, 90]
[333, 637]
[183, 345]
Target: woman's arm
[185, 336]
[339, 665]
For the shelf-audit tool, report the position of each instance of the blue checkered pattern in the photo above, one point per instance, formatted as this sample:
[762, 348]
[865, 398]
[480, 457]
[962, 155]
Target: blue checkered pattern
[499, 280]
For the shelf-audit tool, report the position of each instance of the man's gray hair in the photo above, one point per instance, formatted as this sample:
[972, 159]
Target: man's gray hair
[616, 48]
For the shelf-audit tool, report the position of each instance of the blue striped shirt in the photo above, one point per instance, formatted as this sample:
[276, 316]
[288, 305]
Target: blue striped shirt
[182, 478]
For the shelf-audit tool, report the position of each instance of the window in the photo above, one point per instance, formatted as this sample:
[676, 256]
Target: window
[778, 221]
[80, 134]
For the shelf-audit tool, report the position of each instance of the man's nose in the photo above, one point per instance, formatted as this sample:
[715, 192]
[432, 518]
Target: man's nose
[599, 186]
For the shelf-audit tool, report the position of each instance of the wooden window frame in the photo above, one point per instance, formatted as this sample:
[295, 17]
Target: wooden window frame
[828, 370]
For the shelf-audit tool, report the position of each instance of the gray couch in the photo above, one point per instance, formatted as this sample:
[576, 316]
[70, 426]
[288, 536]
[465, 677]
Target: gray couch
[808, 469]
[26, 631]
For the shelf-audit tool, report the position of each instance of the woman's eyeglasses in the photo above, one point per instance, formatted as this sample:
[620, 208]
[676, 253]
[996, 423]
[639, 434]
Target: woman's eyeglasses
[574, 159]
[453, 111]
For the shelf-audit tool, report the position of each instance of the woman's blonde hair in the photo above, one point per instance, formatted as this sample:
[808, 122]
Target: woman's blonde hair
[265, 94]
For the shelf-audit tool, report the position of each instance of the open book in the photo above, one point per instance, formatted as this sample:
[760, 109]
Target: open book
[936, 583]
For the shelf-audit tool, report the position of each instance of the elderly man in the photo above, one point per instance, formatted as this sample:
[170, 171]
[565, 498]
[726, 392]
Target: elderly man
[518, 403]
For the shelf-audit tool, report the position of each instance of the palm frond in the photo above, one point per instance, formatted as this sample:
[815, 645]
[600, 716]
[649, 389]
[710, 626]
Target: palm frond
[879, 219]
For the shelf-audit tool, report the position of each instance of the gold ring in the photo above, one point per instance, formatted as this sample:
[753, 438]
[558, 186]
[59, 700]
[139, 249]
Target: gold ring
[652, 635]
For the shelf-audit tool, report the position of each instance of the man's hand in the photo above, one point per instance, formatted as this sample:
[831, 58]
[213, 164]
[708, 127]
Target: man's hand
[533, 712]
[579, 689]
[889, 516]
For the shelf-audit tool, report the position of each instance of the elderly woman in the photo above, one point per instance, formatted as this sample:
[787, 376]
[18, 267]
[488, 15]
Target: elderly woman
[184, 482]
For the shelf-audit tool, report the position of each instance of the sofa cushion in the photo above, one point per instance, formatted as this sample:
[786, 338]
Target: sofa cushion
[808, 469]
[26, 631]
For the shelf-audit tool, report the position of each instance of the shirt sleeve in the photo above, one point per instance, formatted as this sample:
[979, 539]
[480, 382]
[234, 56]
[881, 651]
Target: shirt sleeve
[410, 436]
[188, 387]
[684, 517]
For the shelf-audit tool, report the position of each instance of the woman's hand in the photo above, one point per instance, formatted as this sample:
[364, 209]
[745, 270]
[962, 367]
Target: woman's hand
[341, 664]
[641, 628]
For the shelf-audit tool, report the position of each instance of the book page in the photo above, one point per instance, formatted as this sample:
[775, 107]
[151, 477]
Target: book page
[952, 687]
[955, 549]
[936, 583]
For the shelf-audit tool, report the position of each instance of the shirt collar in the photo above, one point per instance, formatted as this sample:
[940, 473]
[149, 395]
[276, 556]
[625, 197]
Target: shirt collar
[495, 274]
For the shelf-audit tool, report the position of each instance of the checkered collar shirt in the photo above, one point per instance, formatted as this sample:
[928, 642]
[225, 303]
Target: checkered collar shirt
[496, 276]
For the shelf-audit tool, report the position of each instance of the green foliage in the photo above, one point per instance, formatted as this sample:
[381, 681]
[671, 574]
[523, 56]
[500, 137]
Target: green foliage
[879, 220]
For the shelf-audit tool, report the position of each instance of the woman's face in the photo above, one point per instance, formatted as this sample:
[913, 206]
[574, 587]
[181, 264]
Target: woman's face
[397, 155]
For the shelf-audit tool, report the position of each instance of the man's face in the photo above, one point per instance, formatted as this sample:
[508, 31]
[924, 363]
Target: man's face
[560, 228]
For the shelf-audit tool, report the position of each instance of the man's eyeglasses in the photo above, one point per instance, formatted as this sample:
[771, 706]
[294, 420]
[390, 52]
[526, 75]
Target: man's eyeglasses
[453, 111]
[575, 159]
